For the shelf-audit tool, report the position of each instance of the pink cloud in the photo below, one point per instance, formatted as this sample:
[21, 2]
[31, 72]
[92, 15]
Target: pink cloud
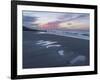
[50, 25]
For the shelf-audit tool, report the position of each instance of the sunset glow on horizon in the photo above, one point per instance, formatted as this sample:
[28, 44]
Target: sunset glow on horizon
[56, 20]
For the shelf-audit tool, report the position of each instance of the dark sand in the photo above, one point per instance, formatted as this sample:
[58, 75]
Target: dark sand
[36, 57]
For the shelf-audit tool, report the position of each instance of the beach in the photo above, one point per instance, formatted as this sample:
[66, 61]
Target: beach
[47, 50]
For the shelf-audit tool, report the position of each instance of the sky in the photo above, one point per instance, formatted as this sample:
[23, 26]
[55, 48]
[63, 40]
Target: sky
[56, 20]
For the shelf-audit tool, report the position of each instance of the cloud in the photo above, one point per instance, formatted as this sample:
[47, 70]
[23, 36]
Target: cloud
[74, 16]
[56, 20]
[74, 25]
[29, 19]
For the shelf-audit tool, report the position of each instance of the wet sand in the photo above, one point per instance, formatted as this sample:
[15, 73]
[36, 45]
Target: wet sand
[36, 56]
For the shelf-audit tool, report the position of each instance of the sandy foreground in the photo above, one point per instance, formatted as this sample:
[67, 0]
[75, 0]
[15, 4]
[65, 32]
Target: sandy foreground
[47, 50]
